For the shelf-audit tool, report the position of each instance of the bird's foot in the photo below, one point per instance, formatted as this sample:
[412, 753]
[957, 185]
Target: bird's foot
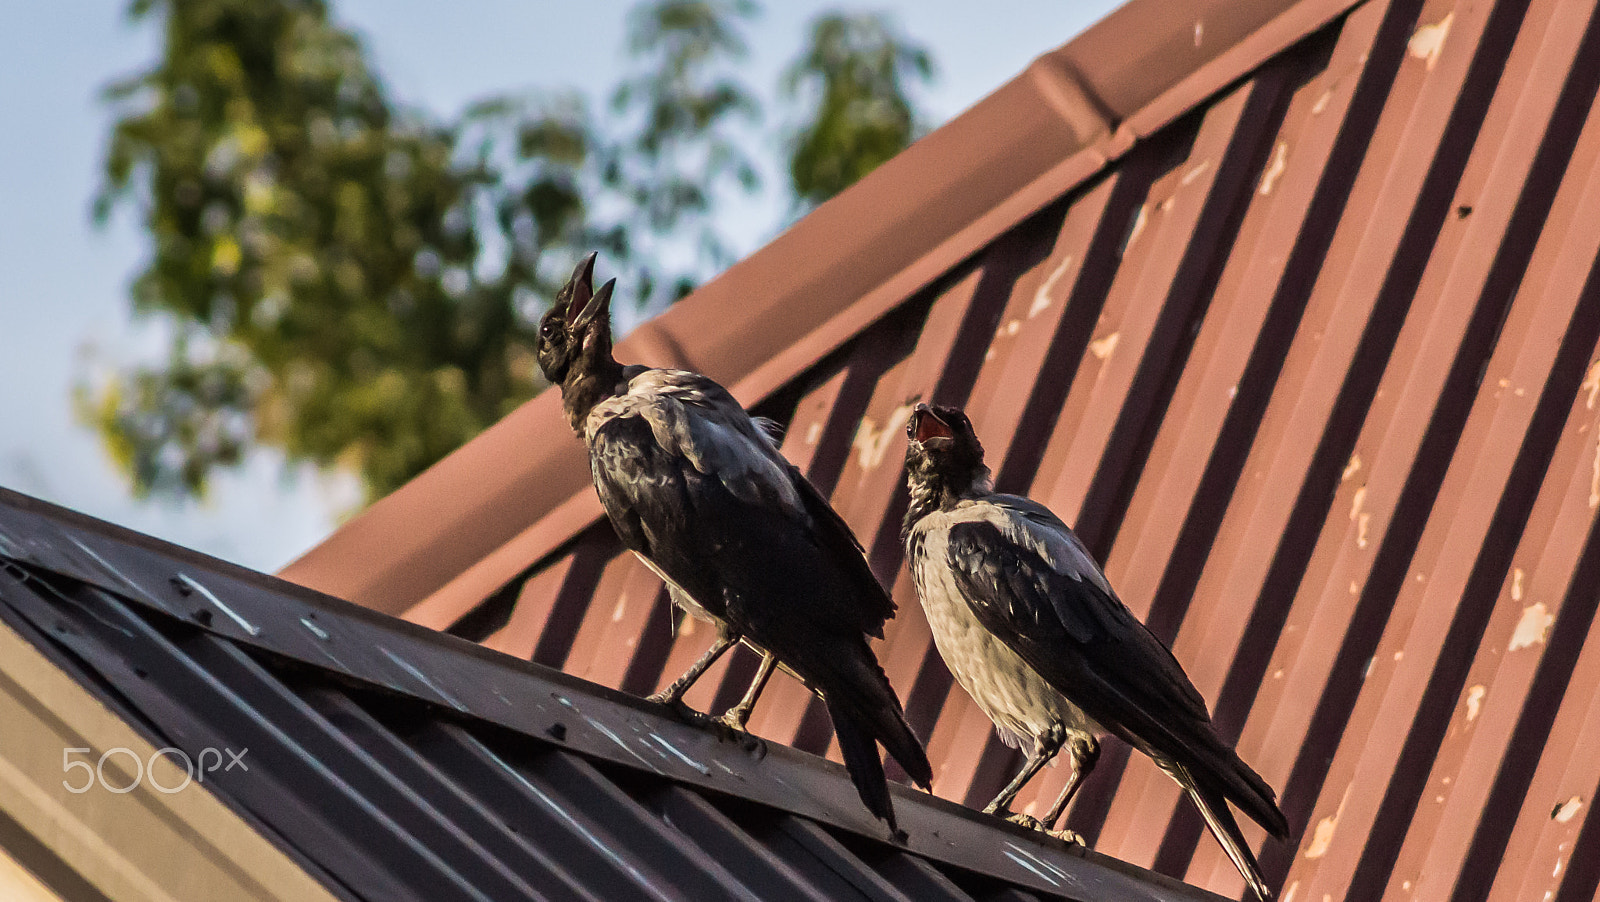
[1026, 820]
[733, 720]
[1033, 823]
[1069, 836]
[682, 711]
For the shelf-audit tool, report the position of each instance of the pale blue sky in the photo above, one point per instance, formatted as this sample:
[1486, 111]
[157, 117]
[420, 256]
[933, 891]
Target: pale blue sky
[63, 282]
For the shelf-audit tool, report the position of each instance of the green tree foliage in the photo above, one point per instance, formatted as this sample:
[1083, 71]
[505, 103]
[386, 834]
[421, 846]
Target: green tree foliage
[854, 70]
[682, 107]
[356, 283]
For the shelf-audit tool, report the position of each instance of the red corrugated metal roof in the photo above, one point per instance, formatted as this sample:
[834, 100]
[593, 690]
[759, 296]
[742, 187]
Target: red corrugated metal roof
[1293, 310]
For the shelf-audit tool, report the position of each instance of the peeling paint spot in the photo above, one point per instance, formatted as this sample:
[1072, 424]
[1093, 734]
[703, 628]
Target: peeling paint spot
[814, 433]
[1475, 702]
[1533, 627]
[1567, 810]
[1400, 655]
[1102, 347]
[1041, 298]
[873, 443]
[1275, 168]
[1233, 392]
[1351, 468]
[216, 602]
[1355, 588]
[1278, 674]
[621, 743]
[1322, 102]
[1591, 384]
[1406, 885]
[1013, 327]
[1322, 838]
[1139, 220]
[988, 355]
[317, 631]
[1199, 32]
[1361, 530]
[704, 771]
[1427, 42]
[1188, 178]
[1356, 500]
[422, 678]
[620, 609]
[1594, 478]
[1024, 862]
[1516, 584]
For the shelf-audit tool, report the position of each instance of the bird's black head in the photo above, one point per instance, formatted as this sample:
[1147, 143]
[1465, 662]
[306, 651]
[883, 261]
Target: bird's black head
[944, 459]
[575, 333]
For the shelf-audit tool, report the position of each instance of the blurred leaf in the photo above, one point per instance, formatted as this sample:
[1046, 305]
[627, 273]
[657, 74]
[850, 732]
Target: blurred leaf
[852, 82]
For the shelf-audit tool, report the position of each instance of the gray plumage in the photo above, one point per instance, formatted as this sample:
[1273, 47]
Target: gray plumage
[1029, 626]
[697, 489]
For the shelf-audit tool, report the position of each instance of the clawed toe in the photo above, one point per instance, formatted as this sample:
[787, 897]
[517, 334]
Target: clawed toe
[683, 712]
[1026, 820]
[1033, 823]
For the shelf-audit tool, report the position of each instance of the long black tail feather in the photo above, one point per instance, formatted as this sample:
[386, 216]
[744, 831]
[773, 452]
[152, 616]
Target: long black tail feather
[1213, 806]
[861, 759]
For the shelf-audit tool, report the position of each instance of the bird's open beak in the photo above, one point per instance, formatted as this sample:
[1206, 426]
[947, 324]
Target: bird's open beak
[925, 425]
[585, 305]
[580, 288]
[599, 307]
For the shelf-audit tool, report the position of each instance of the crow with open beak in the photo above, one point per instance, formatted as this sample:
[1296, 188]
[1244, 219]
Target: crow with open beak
[1028, 624]
[698, 490]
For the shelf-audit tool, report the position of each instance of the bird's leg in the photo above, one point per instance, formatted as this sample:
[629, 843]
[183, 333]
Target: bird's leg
[674, 692]
[1085, 751]
[1044, 748]
[735, 717]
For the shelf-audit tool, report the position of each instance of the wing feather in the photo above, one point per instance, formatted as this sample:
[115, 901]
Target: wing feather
[1059, 617]
[694, 423]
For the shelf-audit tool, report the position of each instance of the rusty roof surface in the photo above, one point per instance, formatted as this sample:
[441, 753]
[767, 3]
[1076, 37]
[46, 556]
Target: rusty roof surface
[397, 763]
[768, 317]
[1293, 310]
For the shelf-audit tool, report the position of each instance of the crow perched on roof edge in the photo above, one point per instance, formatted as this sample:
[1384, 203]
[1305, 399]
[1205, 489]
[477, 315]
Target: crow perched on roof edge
[1030, 627]
[697, 489]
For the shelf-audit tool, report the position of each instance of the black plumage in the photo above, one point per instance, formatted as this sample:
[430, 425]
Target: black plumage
[1029, 625]
[698, 490]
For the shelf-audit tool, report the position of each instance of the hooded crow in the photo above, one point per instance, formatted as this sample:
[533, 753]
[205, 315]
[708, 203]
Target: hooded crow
[698, 490]
[1028, 624]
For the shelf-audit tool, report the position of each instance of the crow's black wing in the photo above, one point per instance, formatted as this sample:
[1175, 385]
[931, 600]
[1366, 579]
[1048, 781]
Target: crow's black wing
[1046, 598]
[873, 605]
[697, 426]
[1033, 585]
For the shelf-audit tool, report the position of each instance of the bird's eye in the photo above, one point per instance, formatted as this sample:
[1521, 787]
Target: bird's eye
[549, 330]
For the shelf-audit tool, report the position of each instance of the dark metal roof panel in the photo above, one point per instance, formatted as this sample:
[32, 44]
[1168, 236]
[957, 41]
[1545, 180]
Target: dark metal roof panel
[398, 763]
